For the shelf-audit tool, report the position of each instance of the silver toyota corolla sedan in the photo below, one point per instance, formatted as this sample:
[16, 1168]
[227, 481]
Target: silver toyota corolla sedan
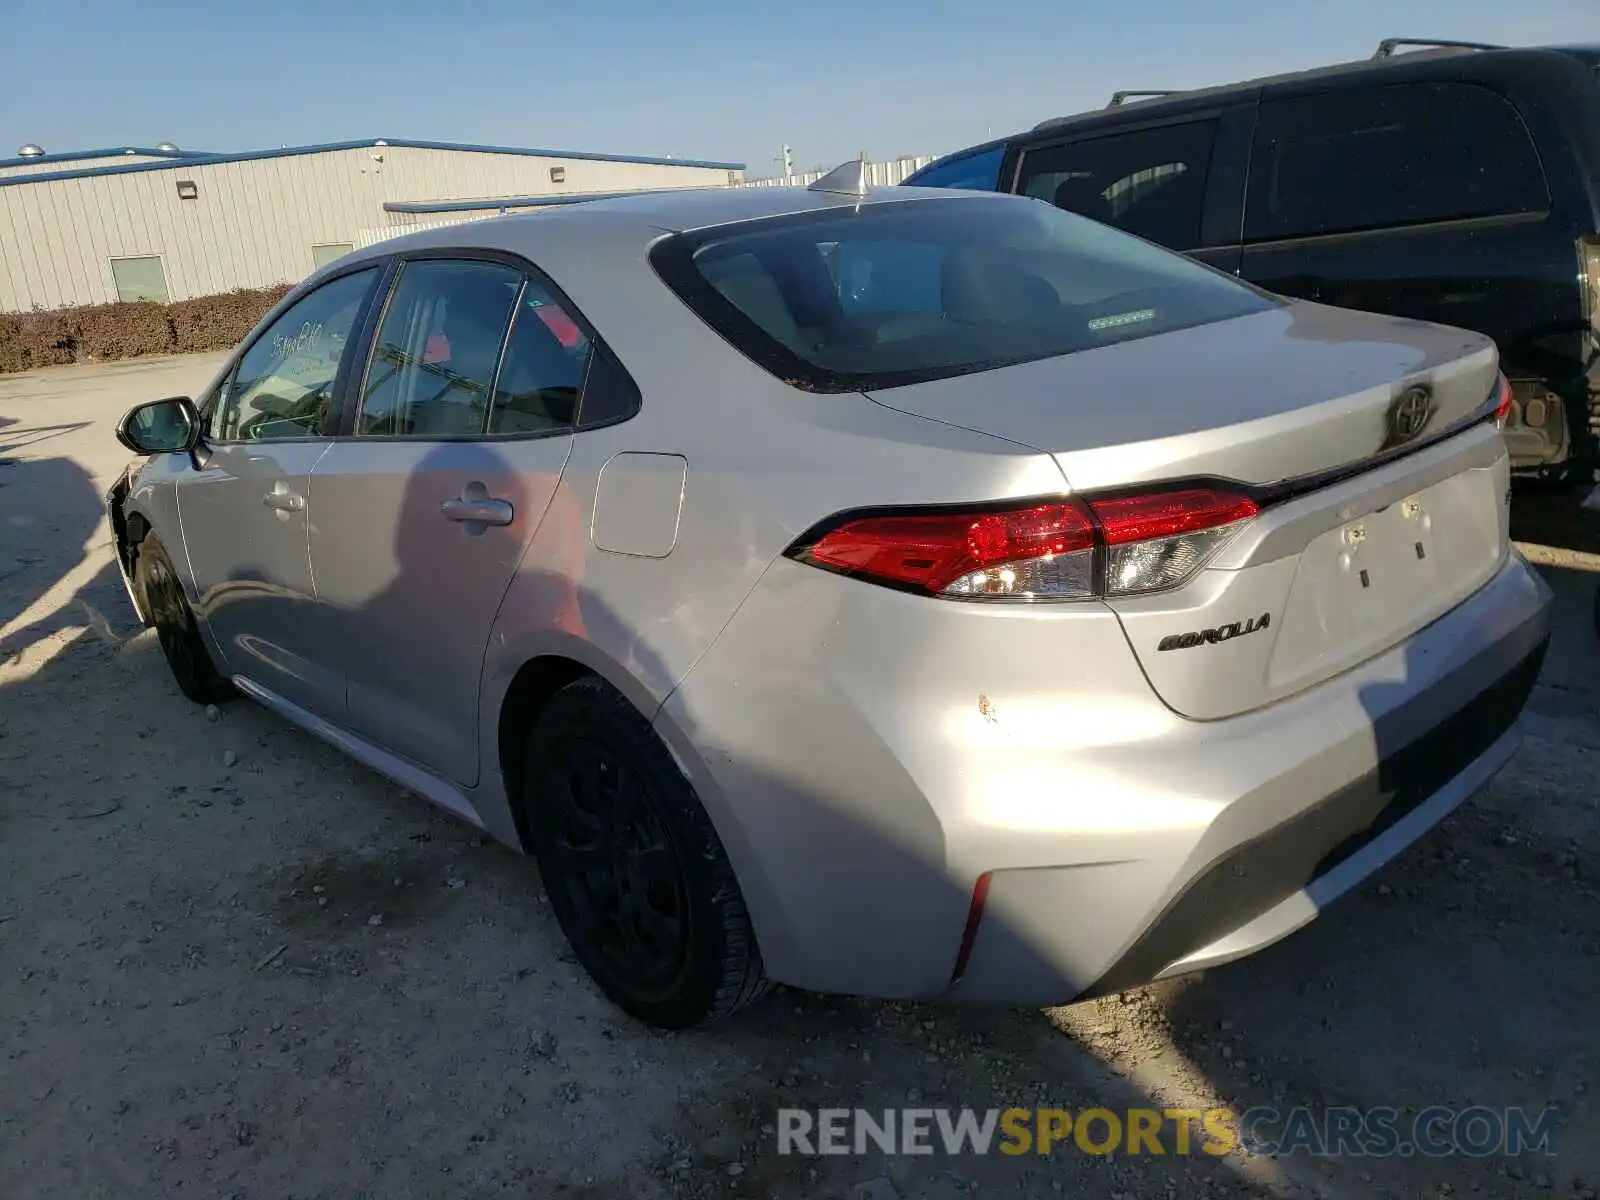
[909, 593]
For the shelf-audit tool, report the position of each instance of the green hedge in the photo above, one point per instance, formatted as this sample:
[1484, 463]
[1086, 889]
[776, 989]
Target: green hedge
[101, 332]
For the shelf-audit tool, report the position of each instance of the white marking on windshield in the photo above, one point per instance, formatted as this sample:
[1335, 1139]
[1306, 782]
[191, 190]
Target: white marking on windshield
[1120, 319]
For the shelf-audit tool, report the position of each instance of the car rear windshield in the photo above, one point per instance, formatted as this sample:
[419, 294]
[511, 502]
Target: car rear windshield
[888, 294]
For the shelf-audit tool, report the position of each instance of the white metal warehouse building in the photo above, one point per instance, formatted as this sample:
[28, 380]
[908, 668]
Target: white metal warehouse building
[136, 223]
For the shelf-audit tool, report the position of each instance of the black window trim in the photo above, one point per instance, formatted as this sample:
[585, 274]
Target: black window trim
[1272, 99]
[1050, 139]
[1215, 115]
[353, 347]
[1441, 225]
[672, 257]
[347, 424]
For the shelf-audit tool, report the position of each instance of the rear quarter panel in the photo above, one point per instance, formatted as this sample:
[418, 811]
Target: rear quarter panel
[764, 462]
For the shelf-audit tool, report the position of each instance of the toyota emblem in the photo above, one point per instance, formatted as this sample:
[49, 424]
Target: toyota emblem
[1409, 415]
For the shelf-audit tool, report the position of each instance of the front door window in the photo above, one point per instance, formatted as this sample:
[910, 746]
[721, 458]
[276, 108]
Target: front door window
[284, 382]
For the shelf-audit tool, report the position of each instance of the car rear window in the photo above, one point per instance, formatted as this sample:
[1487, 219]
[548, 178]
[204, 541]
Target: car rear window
[884, 295]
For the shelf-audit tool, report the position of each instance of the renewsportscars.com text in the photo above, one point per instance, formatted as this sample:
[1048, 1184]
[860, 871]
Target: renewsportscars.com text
[1341, 1131]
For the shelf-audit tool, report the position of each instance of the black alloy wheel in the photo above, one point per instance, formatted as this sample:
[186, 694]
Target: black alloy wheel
[633, 869]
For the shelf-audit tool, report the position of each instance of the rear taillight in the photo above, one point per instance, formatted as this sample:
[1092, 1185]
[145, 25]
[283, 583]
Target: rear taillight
[1504, 401]
[1158, 541]
[1042, 549]
[1068, 549]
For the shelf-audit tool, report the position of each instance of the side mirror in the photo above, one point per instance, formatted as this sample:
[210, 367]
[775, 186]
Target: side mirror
[160, 426]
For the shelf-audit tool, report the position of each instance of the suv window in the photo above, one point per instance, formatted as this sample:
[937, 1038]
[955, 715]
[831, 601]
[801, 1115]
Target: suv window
[538, 385]
[980, 171]
[283, 384]
[1151, 182]
[433, 361]
[896, 293]
[1403, 154]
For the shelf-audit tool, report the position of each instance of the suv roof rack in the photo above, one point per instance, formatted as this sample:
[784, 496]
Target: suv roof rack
[1118, 99]
[1388, 46]
[1386, 50]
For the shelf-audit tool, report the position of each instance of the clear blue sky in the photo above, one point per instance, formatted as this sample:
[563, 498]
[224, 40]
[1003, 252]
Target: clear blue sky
[720, 79]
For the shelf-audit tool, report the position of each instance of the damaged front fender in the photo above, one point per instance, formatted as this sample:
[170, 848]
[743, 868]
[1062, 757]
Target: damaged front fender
[127, 530]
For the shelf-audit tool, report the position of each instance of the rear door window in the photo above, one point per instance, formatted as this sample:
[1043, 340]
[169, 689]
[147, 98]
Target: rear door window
[436, 351]
[1405, 154]
[1151, 182]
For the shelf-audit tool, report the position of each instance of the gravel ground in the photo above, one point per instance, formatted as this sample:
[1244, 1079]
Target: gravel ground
[233, 963]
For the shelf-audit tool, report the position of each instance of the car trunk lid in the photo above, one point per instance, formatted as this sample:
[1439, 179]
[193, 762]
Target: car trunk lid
[1282, 394]
[1375, 520]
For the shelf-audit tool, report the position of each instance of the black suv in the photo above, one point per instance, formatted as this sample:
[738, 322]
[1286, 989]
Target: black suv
[1458, 184]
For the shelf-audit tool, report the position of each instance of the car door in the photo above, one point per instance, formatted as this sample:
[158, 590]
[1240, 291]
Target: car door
[1423, 200]
[1177, 184]
[244, 513]
[456, 441]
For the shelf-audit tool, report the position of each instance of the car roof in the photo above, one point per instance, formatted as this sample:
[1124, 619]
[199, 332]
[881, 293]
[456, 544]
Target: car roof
[645, 216]
[597, 252]
[1394, 64]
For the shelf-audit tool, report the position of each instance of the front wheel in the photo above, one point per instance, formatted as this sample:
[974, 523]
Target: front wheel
[175, 625]
[633, 869]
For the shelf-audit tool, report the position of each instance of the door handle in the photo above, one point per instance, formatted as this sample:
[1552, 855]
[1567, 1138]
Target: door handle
[483, 510]
[287, 502]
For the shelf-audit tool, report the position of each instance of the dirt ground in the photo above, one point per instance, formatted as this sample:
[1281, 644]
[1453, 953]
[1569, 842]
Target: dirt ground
[235, 964]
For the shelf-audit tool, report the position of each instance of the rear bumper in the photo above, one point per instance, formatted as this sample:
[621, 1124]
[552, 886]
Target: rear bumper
[1266, 888]
[868, 756]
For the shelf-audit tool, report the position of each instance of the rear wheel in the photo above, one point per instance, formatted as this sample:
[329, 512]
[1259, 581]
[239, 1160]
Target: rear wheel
[176, 629]
[634, 871]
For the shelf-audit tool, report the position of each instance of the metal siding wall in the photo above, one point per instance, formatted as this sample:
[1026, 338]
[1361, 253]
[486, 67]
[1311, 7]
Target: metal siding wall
[366, 237]
[75, 164]
[408, 173]
[254, 222]
[879, 174]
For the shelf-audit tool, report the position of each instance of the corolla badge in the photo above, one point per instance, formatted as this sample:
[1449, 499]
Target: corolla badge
[1209, 637]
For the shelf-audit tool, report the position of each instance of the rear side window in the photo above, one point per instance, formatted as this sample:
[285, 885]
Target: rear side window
[892, 294]
[1151, 182]
[539, 380]
[1351, 160]
[980, 171]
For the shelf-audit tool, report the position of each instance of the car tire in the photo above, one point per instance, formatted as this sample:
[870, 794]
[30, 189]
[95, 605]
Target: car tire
[634, 871]
[161, 592]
